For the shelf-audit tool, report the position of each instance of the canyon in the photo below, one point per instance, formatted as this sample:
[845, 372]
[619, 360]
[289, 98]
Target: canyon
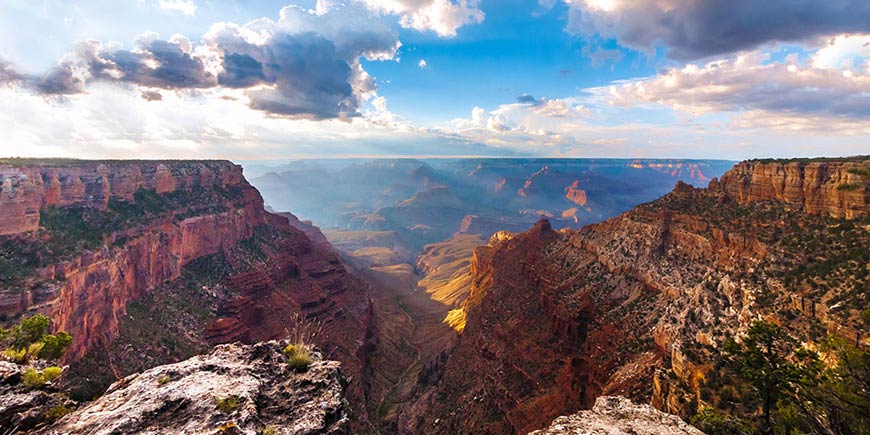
[147, 263]
[492, 323]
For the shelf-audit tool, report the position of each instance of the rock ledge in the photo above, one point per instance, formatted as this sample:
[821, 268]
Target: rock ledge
[613, 415]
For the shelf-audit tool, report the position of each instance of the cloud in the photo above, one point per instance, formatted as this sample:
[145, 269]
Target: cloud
[527, 99]
[422, 64]
[117, 122]
[151, 95]
[750, 82]
[186, 7]
[304, 65]
[444, 17]
[846, 52]
[693, 29]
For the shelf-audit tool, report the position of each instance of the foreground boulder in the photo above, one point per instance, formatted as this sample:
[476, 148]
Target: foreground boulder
[236, 389]
[619, 416]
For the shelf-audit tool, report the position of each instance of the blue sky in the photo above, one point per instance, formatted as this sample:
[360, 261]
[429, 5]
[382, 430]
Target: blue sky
[575, 78]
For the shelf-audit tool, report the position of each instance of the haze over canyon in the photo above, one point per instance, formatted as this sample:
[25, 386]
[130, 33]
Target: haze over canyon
[435, 217]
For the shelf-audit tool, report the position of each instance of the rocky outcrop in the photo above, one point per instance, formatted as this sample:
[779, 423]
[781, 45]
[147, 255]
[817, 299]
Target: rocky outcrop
[638, 306]
[839, 188]
[254, 385]
[618, 416]
[30, 185]
[575, 194]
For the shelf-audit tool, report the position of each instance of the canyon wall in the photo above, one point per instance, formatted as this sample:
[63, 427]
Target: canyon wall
[30, 185]
[640, 305]
[837, 188]
[192, 235]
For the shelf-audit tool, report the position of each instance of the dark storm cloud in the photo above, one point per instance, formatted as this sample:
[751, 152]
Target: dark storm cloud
[692, 29]
[308, 78]
[58, 81]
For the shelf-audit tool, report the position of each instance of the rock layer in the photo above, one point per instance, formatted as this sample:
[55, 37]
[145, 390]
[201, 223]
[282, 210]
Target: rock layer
[30, 185]
[835, 187]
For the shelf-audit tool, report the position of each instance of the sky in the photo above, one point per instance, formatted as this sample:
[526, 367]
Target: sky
[279, 80]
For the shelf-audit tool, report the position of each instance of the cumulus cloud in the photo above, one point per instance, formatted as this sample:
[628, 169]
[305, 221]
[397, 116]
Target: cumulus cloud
[692, 29]
[422, 64]
[304, 65]
[851, 52]
[186, 7]
[750, 82]
[443, 17]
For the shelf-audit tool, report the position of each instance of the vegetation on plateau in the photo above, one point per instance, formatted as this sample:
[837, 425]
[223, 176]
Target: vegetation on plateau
[767, 383]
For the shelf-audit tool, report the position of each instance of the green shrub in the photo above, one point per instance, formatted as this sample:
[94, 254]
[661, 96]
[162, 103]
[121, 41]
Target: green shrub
[55, 413]
[849, 187]
[713, 422]
[298, 357]
[16, 356]
[51, 373]
[29, 339]
[54, 345]
[228, 404]
[163, 380]
[32, 378]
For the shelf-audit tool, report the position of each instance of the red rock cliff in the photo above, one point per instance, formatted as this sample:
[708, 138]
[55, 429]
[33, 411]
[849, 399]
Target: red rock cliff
[839, 188]
[28, 186]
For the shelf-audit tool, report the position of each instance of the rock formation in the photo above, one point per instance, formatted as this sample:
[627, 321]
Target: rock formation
[30, 185]
[234, 389]
[837, 188]
[638, 305]
[618, 416]
[188, 246]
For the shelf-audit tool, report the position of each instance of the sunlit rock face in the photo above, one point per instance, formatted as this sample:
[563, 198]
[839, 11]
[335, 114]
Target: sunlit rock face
[266, 393]
[639, 305]
[837, 188]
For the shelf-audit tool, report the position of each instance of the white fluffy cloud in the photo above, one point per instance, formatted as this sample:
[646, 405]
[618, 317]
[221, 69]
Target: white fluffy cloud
[751, 82]
[443, 17]
[849, 52]
[186, 7]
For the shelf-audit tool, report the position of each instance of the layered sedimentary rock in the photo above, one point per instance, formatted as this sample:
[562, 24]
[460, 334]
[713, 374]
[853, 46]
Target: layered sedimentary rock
[619, 416]
[837, 188]
[639, 305]
[259, 391]
[29, 185]
[193, 235]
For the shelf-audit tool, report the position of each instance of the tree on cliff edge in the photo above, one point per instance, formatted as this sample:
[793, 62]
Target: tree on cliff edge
[776, 368]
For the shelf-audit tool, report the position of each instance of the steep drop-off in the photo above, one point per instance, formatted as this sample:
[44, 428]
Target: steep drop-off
[640, 305]
[151, 262]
